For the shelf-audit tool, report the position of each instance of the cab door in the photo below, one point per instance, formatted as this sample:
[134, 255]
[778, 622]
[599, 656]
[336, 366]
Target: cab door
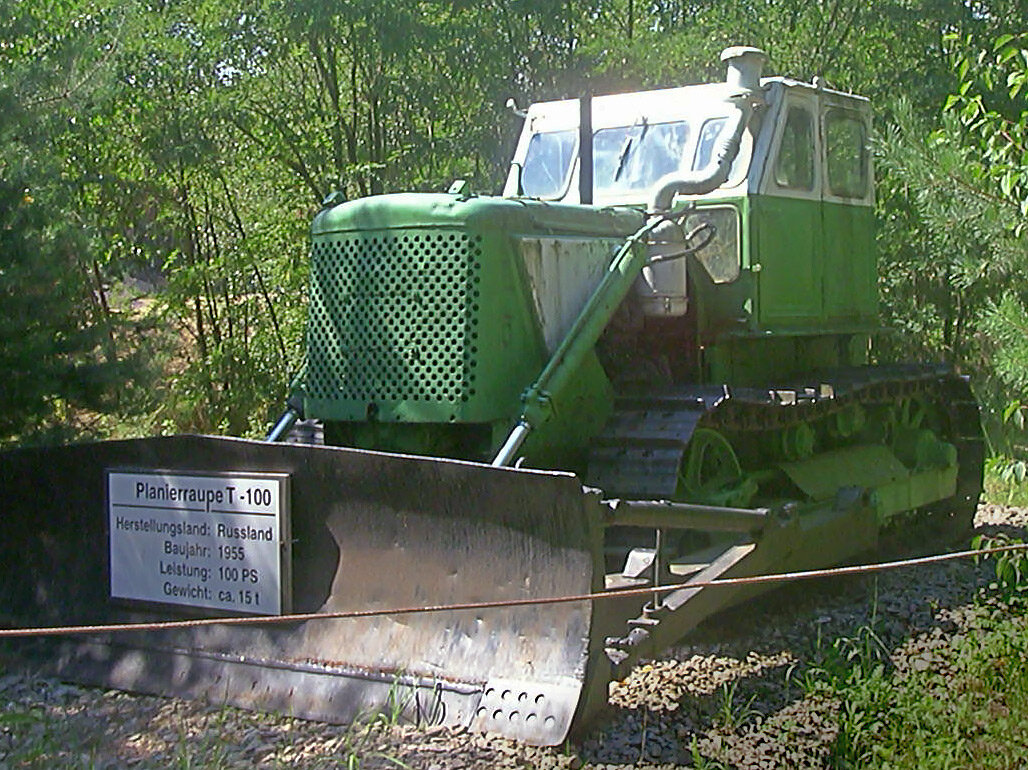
[850, 266]
[787, 215]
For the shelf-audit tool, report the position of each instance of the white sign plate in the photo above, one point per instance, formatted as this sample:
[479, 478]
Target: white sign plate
[218, 541]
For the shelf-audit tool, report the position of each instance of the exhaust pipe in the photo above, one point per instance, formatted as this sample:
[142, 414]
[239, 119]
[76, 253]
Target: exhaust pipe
[744, 68]
[745, 65]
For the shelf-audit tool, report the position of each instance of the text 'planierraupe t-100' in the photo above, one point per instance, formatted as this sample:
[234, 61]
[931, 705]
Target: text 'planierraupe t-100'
[200, 540]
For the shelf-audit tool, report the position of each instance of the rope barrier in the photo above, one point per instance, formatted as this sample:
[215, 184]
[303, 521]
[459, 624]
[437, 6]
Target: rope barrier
[647, 591]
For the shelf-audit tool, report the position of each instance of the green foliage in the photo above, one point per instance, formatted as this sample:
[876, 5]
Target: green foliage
[849, 659]
[969, 713]
[1011, 567]
[992, 104]
[179, 151]
[58, 342]
[1005, 480]
[940, 701]
[700, 762]
[952, 199]
[938, 241]
[730, 713]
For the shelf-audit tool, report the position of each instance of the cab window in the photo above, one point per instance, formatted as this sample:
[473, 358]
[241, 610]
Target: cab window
[632, 158]
[548, 163]
[794, 167]
[846, 154]
[705, 146]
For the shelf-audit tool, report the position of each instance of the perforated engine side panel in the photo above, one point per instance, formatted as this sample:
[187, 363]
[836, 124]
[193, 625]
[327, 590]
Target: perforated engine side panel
[393, 318]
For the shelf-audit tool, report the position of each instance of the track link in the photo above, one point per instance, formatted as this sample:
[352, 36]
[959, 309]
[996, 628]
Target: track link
[640, 451]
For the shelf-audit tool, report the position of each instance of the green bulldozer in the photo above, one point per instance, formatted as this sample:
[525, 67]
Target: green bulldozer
[647, 364]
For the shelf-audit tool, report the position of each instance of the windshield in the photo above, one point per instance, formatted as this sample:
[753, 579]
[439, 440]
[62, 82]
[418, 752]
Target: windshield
[708, 134]
[548, 163]
[626, 159]
[633, 158]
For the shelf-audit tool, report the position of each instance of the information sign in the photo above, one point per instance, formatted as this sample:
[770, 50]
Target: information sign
[218, 541]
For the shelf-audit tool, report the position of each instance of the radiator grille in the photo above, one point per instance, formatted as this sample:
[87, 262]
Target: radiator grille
[394, 317]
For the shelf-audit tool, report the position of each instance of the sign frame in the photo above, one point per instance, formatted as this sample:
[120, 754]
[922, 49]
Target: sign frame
[207, 547]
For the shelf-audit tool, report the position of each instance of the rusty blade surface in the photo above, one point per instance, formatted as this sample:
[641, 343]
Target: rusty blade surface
[370, 531]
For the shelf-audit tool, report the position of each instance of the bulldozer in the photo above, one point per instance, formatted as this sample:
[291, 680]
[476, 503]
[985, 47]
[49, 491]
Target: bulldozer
[647, 364]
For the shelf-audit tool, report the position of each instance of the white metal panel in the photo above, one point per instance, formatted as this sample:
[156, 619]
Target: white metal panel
[792, 94]
[695, 104]
[563, 272]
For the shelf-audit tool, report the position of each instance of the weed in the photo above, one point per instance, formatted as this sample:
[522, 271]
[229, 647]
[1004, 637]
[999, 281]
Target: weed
[642, 736]
[1006, 481]
[700, 762]
[810, 679]
[203, 747]
[731, 714]
[398, 701]
[357, 740]
[1011, 568]
[972, 716]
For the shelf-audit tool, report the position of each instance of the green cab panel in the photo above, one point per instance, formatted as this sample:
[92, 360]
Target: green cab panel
[788, 247]
[851, 269]
[817, 264]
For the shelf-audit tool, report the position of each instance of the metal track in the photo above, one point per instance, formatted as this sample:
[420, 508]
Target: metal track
[642, 448]
[640, 451]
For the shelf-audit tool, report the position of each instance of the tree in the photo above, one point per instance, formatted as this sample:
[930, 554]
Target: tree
[57, 346]
[992, 104]
[953, 234]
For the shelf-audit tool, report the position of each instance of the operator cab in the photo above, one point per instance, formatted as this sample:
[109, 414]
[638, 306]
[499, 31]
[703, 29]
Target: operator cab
[638, 139]
[803, 141]
[790, 274]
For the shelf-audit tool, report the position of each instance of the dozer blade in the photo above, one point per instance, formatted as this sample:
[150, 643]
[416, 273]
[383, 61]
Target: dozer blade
[368, 531]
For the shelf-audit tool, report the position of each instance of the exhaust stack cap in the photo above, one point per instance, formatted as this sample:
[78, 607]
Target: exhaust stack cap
[745, 65]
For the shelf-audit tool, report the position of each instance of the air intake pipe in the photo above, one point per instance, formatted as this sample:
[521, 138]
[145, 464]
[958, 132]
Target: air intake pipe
[744, 68]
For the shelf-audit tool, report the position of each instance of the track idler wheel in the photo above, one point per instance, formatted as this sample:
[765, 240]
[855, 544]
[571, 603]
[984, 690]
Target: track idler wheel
[710, 473]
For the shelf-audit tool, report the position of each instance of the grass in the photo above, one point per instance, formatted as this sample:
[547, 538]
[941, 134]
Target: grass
[731, 713]
[966, 707]
[1006, 481]
[974, 715]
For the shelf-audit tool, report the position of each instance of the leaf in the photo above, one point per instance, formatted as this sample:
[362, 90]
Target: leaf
[1006, 54]
[1002, 41]
[1010, 410]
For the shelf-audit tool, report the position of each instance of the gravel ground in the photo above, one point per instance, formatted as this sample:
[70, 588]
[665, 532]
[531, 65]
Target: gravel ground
[733, 695]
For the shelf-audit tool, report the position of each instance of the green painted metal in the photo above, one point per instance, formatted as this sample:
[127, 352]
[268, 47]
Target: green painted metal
[867, 466]
[806, 296]
[807, 267]
[727, 307]
[850, 282]
[421, 314]
[788, 240]
[892, 485]
[818, 265]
